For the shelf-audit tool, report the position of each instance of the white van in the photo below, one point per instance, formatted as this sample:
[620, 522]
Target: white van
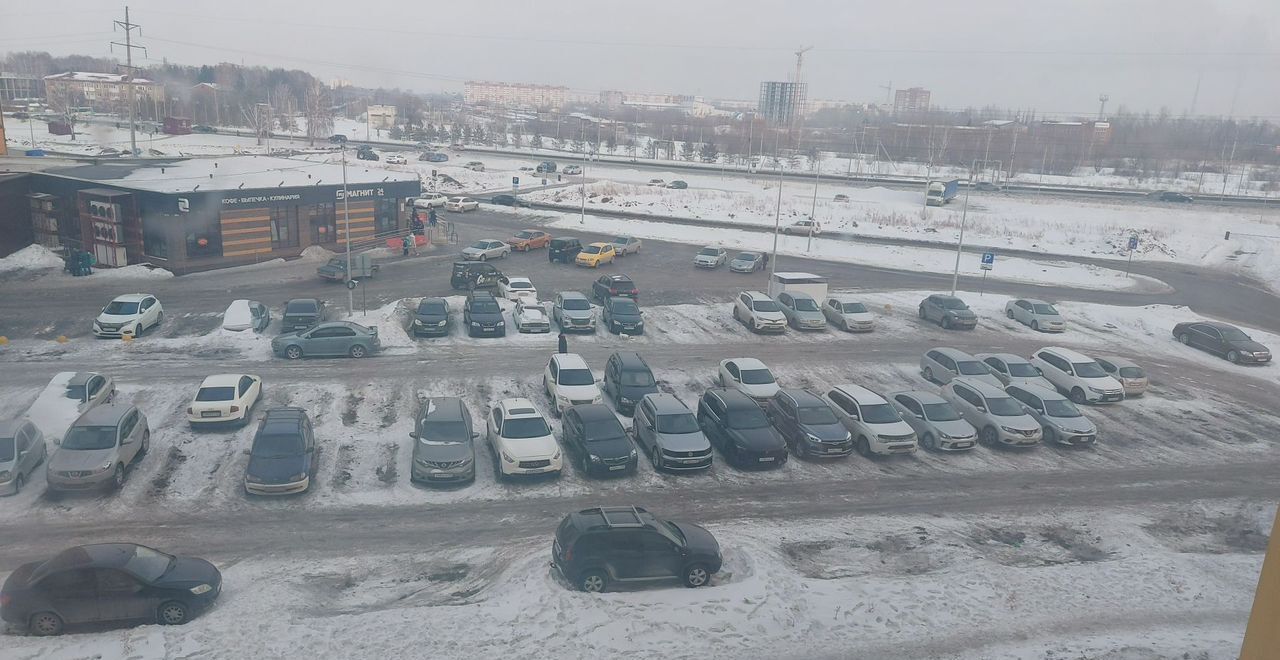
[814, 285]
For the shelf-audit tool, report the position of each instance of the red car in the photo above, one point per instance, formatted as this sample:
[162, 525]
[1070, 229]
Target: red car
[528, 239]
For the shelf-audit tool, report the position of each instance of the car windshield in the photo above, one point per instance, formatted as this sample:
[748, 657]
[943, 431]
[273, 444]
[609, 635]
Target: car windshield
[75, 392]
[277, 445]
[525, 427]
[484, 307]
[120, 308]
[971, 368]
[300, 307]
[1061, 408]
[1022, 369]
[1088, 369]
[1233, 334]
[1003, 406]
[625, 307]
[605, 429]
[746, 256]
[452, 432]
[816, 415]
[756, 376]
[622, 240]
[432, 307]
[576, 377]
[90, 437]
[524, 234]
[1132, 372]
[806, 305]
[853, 308]
[952, 303]
[1045, 309]
[479, 245]
[677, 423]
[517, 284]
[940, 412]
[636, 378]
[576, 304]
[879, 413]
[7, 450]
[709, 252]
[216, 394]
[592, 249]
[748, 418]
[764, 306]
[148, 564]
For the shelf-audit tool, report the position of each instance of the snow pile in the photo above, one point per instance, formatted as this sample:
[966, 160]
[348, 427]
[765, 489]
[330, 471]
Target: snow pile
[32, 257]
[316, 253]
[133, 272]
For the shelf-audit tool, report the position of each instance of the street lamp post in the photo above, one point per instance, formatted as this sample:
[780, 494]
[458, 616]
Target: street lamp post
[777, 218]
[346, 222]
[813, 212]
[964, 213]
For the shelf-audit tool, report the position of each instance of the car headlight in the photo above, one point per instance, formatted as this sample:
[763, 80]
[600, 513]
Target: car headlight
[5, 476]
[417, 322]
[249, 478]
[507, 458]
[440, 323]
[105, 466]
[633, 453]
[594, 459]
[812, 438]
[201, 589]
[298, 477]
[475, 324]
[502, 324]
[1011, 429]
[556, 457]
[561, 397]
[1097, 390]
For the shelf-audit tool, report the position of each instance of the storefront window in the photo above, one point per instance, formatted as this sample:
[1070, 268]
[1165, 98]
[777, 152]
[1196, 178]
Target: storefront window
[386, 216]
[284, 227]
[155, 240]
[324, 227]
[204, 239]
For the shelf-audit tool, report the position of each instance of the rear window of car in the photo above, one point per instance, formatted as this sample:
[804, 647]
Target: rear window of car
[1132, 372]
[300, 307]
[952, 303]
[434, 307]
[622, 283]
[216, 394]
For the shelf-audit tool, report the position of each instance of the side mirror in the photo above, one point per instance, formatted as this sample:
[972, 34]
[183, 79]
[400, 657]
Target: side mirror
[982, 409]
[413, 434]
[919, 416]
[475, 436]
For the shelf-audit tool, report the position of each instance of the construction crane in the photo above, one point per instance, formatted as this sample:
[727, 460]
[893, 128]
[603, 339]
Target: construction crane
[800, 60]
[888, 92]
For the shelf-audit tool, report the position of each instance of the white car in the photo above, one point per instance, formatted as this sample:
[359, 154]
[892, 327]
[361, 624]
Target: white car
[521, 440]
[876, 425]
[396, 159]
[1035, 314]
[1078, 376]
[657, 182]
[848, 314]
[430, 201]
[130, 314]
[531, 316]
[572, 169]
[517, 288]
[803, 228]
[484, 249]
[68, 395]
[475, 166]
[711, 257]
[568, 381]
[461, 204]
[1012, 369]
[759, 312]
[224, 398]
[750, 376]
[244, 315]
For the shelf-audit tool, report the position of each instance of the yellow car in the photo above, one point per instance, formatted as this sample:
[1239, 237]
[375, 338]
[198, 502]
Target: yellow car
[595, 254]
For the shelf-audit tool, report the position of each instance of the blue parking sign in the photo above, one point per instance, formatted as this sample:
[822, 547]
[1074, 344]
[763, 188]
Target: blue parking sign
[988, 260]
[515, 180]
[1133, 242]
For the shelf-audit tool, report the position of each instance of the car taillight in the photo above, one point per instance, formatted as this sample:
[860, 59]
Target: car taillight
[567, 553]
[4, 600]
[613, 292]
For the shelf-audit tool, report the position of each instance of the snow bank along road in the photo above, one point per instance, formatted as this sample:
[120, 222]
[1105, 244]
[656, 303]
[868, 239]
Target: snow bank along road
[1149, 541]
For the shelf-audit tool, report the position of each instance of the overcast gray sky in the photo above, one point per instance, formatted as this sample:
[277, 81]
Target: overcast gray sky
[1054, 57]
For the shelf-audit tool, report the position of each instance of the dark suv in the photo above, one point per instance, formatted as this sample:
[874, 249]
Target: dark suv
[621, 315]
[283, 458]
[734, 423]
[614, 285]
[594, 434]
[474, 275]
[431, 318]
[483, 316]
[950, 312]
[808, 425]
[564, 249]
[301, 313]
[594, 547]
[627, 378]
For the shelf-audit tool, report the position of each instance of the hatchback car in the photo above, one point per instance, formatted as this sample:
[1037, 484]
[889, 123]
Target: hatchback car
[98, 449]
[949, 312]
[282, 459]
[1077, 375]
[485, 249]
[666, 431]
[571, 169]
[107, 583]
[1035, 314]
[568, 381]
[1223, 340]
[130, 314]
[937, 423]
[482, 316]
[802, 311]
[627, 378]
[396, 159]
[711, 257]
[803, 228]
[529, 239]
[507, 200]
[622, 316]
[678, 185]
[329, 339]
[521, 440]
[443, 443]
[594, 435]
[474, 275]
[1060, 420]
[940, 365]
[998, 417]
[563, 249]
[595, 255]
[246, 315]
[461, 204]
[572, 311]
[848, 314]
[749, 375]
[614, 285]
[624, 245]
[876, 426]
[597, 547]
[1130, 375]
[431, 318]
[302, 313]
[747, 262]
[735, 424]
[759, 312]
[22, 450]
[808, 425]
[517, 288]
[224, 398]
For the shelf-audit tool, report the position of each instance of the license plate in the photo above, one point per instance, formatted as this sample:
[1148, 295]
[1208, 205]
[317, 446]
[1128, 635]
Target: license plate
[487, 329]
[617, 467]
[210, 413]
[766, 459]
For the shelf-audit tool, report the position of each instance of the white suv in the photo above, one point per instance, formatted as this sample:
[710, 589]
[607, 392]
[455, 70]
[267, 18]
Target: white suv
[1078, 376]
[759, 312]
[750, 376]
[129, 314]
[521, 440]
[877, 427]
[568, 381]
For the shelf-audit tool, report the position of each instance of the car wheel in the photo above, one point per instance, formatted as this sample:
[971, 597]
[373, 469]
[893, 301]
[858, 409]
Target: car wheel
[1077, 396]
[928, 374]
[482, 257]
[357, 351]
[735, 314]
[1184, 339]
[696, 576]
[929, 442]
[1035, 325]
[864, 447]
[988, 436]
[117, 479]
[1008, 313]
[18, 483]
[171, 613]
[293, 352]
[1233, 356]
[45, 624]
[922, 314]
[593, 581]
[656, 457]
[945, 323]
[159, 318]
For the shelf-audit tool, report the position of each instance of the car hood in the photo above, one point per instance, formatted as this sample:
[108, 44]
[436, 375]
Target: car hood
[472, 251]
[1103, 382]
[1020, 422]
[578, 392]
[611, 448]
[117, 318]
[576, 313]
[1033, 380]
[961, 313]
[892, 428]
[486, 317]
[698, 539]
[276, 470]
[859, 317]
[759, 391]
[188, 572]
[827, 432]
[695, 441]
[70, 460]
[705, 257]
[1248, 346]
[625, 318]
[1080, 424]
[526, 449]
[761, 439]
[957, 428]
[742, 263]
[807, 315]
[771, 316]
[443, 452]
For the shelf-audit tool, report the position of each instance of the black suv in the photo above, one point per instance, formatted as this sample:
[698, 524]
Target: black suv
[301, 313]
[483, 316]
[808, 425]
[283, 457]
[564, 250]
[474, 275]
[365, 152]
[594, 547]
[627, 378]
[621, 315]
[734, 423]
[595, 435]
[431, 318]
[614, 285]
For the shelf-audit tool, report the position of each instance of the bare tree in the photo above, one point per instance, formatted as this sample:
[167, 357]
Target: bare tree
[318, 109]
[257, 117]
[285, 107]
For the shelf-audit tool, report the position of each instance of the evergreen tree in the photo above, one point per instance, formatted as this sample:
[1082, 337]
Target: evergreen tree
[709, 152]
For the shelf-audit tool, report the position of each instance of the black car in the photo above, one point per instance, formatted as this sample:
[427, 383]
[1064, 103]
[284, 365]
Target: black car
[546, 166]
[808, 425]
[483, 316]
[595, 547]
[734, 423]
[474, 275]
[282, 460]
[201, 128]
[593, 433]
[338, 139]
[563, 250]
[621, 315]
[627, 378]
[614, 285]
[431, 318]
[301, 313]
[950, 312]
[507, 200]
[1222, 339]
[108, 582]
[1169, 196]
[677, 185]
[366, 153]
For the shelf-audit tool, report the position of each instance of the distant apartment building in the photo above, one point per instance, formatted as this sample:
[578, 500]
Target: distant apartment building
[14, 86]
[782, 102]
[514, 94]
[382, 117]
[1096, 133]
[913, 99]
[104, 92]
[612, 99]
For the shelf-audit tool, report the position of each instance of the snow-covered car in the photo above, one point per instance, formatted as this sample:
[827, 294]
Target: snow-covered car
[517, 288]
[430, 200]
[572, 169]
[130, 314]
[224, 398]
[848, 314]
[758, 312]
[750, 376]
[521, 440]
[68, 395]
[1035, 314]
[568, 381]
[396, 159]
[1012, 369]
[244, 315]
[711, 257]
[877, 427]
[531, 316]
[486, 248]
[461, 204]
[803, 228]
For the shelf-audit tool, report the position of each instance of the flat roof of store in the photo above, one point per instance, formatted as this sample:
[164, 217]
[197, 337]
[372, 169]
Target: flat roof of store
[230, 173]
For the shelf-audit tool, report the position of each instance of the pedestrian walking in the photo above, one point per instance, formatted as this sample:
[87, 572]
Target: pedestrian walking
[405, 243]
[431, 218]
[564, 343]
[417, 225]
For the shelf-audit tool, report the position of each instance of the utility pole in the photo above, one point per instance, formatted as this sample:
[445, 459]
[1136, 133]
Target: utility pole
[964, 214]
[777, 218]
[346, 222]
[128, 46]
